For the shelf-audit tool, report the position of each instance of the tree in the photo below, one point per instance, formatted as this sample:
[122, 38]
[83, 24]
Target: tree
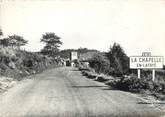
[13, 40]
[17, 41]
[119, 61]
[4, 42]
[52, 42]
[1, 33]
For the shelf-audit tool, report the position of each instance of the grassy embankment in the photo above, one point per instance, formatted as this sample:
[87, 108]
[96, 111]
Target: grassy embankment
[16, 64]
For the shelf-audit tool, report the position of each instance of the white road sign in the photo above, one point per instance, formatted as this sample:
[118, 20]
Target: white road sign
[146, 62]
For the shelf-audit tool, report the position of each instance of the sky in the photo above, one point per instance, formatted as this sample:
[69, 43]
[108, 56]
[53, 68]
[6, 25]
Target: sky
[137, 25]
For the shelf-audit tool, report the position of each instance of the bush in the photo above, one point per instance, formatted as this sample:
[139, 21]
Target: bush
[101, 78]
[99, 63]
[133, 84]
[89, 74]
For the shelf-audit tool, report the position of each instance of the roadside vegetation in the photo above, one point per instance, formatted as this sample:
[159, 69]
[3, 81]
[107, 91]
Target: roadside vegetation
[16, 63]
[81, 51]
[112, 68]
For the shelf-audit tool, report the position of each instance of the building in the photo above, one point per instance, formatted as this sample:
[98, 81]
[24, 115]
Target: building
[73, 58]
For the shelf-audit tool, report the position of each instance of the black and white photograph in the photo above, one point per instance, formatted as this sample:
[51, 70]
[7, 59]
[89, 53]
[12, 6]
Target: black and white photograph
[82, 58]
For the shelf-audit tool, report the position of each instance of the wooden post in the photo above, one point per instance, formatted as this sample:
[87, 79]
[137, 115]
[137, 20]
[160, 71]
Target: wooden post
[153, 74]
[138, 73]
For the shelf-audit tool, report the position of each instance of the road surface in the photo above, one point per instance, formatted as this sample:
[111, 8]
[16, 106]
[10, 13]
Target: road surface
[64, 92]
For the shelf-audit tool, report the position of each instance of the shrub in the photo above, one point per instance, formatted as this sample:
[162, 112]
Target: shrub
[99, 63]
[101, 78]
[134, 84]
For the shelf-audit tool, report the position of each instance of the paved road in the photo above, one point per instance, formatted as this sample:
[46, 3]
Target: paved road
[64, 92]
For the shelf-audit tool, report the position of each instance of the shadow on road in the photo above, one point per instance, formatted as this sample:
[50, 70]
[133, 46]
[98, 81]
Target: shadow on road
[151, 103]
[110, 88]
[87, 86]
[74, 70]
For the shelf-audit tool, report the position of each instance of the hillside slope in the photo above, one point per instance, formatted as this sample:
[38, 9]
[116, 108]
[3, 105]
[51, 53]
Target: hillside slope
[18, 63]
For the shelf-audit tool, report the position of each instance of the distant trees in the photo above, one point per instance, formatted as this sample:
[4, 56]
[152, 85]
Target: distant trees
[82, 50]
[52, 42]
[66, 53]
[4, 42]
[13, 41]
[17, 41]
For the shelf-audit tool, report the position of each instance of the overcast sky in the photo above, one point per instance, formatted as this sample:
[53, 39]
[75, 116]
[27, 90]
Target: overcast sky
[138, 25]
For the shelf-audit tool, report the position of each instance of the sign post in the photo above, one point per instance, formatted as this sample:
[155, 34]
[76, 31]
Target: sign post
[153, 74]
[146, 61]
[139, 73]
